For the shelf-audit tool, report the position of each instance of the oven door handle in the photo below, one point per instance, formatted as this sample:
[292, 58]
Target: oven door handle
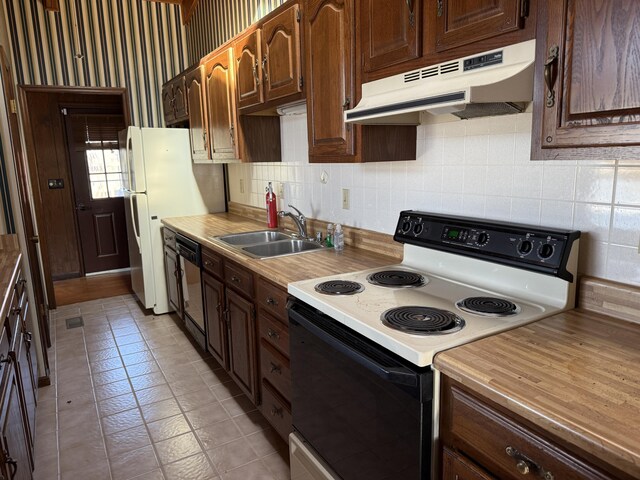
[401, 376]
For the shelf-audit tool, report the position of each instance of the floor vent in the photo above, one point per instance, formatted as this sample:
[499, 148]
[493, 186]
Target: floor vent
[74, 322]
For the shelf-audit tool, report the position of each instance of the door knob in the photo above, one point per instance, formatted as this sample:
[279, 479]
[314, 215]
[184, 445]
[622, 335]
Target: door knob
[82, 207]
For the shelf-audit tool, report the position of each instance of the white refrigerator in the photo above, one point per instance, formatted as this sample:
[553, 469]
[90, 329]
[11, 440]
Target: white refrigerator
[160, 181]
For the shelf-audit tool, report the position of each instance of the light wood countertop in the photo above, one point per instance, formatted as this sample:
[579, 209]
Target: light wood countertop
[9, 266]
[575, 375]
[280, 270]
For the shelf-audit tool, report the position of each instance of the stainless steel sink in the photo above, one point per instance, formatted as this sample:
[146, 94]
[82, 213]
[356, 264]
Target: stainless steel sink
[251, 238]
[280, 248]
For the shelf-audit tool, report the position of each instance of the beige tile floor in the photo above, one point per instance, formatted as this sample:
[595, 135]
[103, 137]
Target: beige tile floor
[132, 398]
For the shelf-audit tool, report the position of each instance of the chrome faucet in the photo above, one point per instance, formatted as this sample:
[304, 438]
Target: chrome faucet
[299, 220]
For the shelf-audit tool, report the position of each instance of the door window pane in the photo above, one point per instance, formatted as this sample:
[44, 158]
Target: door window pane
[105, 175]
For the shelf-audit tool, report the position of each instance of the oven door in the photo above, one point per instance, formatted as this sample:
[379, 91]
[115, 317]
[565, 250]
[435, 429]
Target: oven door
[364, 410]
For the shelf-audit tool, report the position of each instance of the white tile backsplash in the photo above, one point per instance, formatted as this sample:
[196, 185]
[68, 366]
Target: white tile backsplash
[476, 167]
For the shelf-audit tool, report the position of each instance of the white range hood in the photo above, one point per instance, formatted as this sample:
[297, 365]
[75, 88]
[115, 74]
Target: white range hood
[495, 82]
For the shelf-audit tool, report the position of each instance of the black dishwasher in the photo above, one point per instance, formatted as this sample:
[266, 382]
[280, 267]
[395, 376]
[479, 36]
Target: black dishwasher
[190, 261]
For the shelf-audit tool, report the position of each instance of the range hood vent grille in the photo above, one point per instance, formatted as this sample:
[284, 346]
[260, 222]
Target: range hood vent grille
[496, 82]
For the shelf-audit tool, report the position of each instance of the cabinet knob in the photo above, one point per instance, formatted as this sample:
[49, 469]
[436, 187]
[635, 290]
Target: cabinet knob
[271, 301]
[235, 279]
[276, 368]
[208, 263]
[276, 412]
[273, 334]
[522, 467]
[440, 8]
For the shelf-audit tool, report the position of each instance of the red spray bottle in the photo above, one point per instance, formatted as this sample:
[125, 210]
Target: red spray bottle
[272, 209]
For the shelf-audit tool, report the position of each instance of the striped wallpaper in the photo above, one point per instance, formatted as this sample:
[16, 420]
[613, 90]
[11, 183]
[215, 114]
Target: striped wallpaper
[135, 44]
[215, 21]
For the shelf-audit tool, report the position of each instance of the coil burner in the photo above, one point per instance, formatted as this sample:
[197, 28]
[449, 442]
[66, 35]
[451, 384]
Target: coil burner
[397, 278]
[339, 287]
[488, 306]
[422, 320]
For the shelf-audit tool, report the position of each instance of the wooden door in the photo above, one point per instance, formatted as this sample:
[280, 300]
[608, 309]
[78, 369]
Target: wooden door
[217, 341]
[221, 106]
[15, 454]
[172, 275]
[329, 72]
[197, 106]
[242, 345]
[590, 105]
[281, 54]
[248, 69]
[391, 32]
[92, 139]
[180, 104]
[167, 104]
[463, 22]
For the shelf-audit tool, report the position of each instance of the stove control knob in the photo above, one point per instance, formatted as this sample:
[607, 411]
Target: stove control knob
[545, 251]
[417, 228]
[525, 247]
[406, 226]
[483, 239]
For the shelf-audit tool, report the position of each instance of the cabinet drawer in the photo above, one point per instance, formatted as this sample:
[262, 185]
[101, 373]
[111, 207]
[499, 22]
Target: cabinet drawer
[239, 278]
[503, 446]
[274, 332]
[273, 299]
[457, 467]
[212, 263]
[275, 368]
[276, 410]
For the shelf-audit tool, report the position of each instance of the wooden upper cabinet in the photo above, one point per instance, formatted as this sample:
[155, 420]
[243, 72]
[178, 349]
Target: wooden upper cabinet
[281, 54]
[461, 22]
[167, 104]
[329, 45]
[586, 100]
[221, 106]
[197, 106]
[180, 99]
[391, 32]
[248, 66]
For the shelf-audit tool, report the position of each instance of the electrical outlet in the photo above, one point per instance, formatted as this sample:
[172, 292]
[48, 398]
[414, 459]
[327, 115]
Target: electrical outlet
[242, 185]
[345, 199]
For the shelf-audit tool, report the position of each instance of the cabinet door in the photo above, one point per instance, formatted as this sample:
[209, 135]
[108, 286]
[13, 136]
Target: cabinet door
[588, 96]
[221, 107]
[180, 100]
[167, 104]
[462, 22]
[15, 452]
[171, 274]
[391, 32]
[248, 70]
[25, 363]
[197, 107]
[217, 345]
[329, 71]
[457, 467]
[242, 343]
[281, 54]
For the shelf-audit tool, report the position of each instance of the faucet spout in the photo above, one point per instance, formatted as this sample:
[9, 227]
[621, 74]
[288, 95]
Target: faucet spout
[299, 220]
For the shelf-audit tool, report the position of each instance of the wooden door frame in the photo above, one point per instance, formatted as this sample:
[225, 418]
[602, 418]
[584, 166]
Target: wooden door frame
[32, 180]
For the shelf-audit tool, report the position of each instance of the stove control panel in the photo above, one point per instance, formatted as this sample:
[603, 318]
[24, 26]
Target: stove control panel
[525, 246]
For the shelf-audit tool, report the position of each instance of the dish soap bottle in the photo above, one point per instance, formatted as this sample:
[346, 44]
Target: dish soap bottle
[272, 209]
[338, 238]
[328, 241]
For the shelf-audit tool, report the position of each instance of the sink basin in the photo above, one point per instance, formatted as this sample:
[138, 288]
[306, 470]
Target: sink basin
[282, 247]
[250, 238]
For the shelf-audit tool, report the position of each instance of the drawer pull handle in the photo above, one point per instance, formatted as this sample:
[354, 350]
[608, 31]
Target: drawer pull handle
[276, 368]
[235, 279]
[208, 263]
[277, 411]
[271, 301]
[525, 465]
[16, 311]
[273, 334]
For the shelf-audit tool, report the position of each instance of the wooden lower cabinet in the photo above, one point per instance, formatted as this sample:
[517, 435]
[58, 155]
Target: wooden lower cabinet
[478, 436]
[242, 345]
[15, 457]
[230, 320]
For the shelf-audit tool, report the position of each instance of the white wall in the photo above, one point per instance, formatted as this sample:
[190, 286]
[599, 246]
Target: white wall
[479, 168]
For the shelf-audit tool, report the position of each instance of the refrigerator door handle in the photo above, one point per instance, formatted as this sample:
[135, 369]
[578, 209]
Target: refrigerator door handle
[134, 218]
[129, 154]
